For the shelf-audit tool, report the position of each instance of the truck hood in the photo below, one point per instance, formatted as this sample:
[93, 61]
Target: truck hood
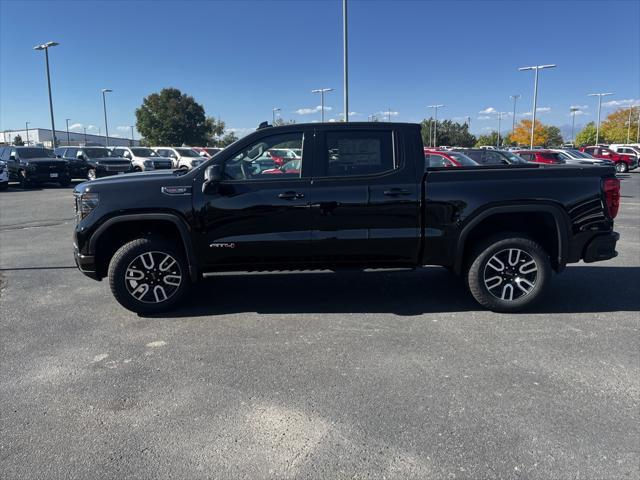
[130, 180]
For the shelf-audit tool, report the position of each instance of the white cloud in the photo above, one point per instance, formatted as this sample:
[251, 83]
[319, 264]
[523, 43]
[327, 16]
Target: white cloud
[389, 113]
[578, 113]
[123, 128]
[485, 117]
[580, 107]
[487, 111]
[240, 132]
[309, 111]
[76, 126]
[622, 103]
[351, 114]
[538, 110]
[91, 127]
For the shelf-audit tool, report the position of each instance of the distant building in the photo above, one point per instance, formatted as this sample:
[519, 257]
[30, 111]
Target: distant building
[42, 137]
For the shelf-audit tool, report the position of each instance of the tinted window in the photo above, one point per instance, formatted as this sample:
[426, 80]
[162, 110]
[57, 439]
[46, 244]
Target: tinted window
[144, 152]
[462, 159]
[4, 155]
[96, 152]
[25, 153]
[433, 160]
[70, 153]
[493, 158]
[254, 162]
[358, 153]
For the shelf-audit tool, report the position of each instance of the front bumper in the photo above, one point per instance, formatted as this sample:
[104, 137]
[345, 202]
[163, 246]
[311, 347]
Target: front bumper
[103, 171]
[601, 247]
[86, 264]
[44, 177]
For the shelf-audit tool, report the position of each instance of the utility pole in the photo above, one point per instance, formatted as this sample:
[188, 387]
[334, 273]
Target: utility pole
[322, 91]
[132, 141]
[345, 61]
[435, 125]
[599, 95]
[573, 123]
[536, 68]
[85, 135]
[515, 100]
[26, 124]
[67, 120]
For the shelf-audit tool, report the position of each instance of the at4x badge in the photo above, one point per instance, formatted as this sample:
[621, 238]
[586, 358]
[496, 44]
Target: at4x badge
[223, 245]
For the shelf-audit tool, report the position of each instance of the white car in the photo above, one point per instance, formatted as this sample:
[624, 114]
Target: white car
[4, 176]
[628, 149]
[182, 157]
[143, 158]
[576, 157]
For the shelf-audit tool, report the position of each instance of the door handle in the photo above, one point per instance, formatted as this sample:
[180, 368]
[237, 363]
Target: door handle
[290, 195]
[394, 192]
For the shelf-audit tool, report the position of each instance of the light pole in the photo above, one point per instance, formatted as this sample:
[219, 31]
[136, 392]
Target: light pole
[468, 122]
[131, 135]
[26, 124]
[345, 62]
[573, 123]
[45, 47]
[273, 115]
[515, 100]
[599, 95]
[435, 125]
[500, 114]
[322, 91]
[67, 120]
[104, 107]
[388, 114]
[85, 135]
[629, 124]
[638, 132]
[536, 68]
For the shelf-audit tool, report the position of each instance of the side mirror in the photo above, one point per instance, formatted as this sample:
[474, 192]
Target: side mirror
[212, 176]
[12, 157]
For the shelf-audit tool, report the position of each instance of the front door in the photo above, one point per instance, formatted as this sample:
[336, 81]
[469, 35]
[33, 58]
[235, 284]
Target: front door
[258, 214]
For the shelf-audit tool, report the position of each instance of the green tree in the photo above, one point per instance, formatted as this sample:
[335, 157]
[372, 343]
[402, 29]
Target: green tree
[448, 133]
[488, 140]
[228, 139]
[587, 136]
[17, 141]
[173, 118]
[553, 136]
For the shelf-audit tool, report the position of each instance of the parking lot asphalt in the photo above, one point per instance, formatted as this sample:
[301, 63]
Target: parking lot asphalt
[313, 375]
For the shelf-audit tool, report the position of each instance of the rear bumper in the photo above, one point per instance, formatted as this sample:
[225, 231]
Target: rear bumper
[602, 247]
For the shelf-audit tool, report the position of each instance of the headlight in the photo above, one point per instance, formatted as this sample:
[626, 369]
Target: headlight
[85, 203]
[148, 163]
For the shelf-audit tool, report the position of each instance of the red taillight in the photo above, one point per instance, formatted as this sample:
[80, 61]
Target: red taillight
[611, 189]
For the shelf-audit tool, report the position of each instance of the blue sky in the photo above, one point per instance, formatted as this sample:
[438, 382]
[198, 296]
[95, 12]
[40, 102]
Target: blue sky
[242, 58]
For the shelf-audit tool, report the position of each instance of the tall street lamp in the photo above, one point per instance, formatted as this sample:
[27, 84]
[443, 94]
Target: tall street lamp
[599, 95]
[515, 100]
[45, 47]
[638, 132]
[322, 91]
[26, 124]
[67, 120]
[500, 114]
[345, 62]
[131, 135]
[573, 111]
[85, 135]
[273, 115]
[631, 108]
[435, 125]
[536, 68]
[104, 106]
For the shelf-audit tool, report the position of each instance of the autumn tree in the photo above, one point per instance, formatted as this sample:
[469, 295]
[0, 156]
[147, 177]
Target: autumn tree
[615, 128]
[587, 136]
[522, 133]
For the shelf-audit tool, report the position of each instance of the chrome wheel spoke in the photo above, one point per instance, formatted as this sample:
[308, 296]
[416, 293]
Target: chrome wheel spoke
[510, 274]
[507, 292]
[523, 284]
[493, 282]
[496, 264]
[528, 267]
[153, 277]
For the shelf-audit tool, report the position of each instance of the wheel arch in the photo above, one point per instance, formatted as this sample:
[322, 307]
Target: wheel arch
[130, 226]
[559, 244]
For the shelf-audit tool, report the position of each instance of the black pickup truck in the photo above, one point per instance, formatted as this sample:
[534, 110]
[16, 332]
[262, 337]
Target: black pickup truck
[359, 197]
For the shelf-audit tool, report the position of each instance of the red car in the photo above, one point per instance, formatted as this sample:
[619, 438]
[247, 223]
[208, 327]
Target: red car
[439, 158]
[623, 161]
[542, 156]
[292, 166]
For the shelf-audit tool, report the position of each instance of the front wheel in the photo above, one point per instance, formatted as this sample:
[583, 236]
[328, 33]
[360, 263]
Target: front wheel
[24, 181]
[148, 275]
[622, 167]
[509, 273]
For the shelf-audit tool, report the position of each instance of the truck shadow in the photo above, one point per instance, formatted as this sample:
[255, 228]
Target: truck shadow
[580, 289]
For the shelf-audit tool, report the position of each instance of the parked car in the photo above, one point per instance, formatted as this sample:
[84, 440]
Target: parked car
[142, 158]
[542, 156]
[437, 158]
[32, 166]
[628, 149]
[207, 152]
[292, 167]
[95, 162]
[485, 156]
[181, 157]
[362, 198]
[4, 176]
[622, 161]
[577, 157]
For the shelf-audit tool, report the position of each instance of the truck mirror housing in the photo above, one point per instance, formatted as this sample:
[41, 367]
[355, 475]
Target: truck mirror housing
[212, 176]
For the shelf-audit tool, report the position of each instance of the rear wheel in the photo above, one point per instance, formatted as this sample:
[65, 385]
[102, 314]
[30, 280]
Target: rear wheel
[508, 273]
[148, 275]
[622, 167]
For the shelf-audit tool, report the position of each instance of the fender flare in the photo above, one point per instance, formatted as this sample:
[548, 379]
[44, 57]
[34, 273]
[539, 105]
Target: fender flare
[561, 220]
[180, 224]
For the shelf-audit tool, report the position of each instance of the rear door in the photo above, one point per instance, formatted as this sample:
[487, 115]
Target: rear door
[259, 215]
[364, 198]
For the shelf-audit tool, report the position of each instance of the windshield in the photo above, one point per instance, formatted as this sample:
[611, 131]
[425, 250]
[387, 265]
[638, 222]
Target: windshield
[97, 152]
[513, 158]
[187, 152]
[34, 153]
[144, 152]
[462, 159]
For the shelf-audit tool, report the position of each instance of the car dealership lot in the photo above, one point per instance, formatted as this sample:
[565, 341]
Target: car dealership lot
[365, 375]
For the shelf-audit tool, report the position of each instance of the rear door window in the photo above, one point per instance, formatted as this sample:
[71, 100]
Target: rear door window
[357, 153]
